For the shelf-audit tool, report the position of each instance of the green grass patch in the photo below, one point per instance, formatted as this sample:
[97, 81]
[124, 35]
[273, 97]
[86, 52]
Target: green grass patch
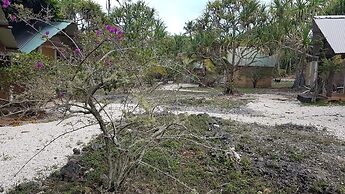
[282, 84]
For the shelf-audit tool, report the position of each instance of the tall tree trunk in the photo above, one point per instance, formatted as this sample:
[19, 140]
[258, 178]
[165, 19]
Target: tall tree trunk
[229, 83]
[329, 83]
[300, 79]
[229, 74]
[255, 82]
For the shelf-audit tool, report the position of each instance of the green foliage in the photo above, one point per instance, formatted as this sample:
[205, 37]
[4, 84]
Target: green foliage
[95, 159]
[157, 71]
[335, 64]
[288, 33]
[336, 7]
[140, 23]
[84, 12]
[36, 6]
[145, 35]
[209, 65]
[23, 67]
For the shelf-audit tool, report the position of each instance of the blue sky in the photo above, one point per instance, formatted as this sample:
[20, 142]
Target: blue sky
[175, 12]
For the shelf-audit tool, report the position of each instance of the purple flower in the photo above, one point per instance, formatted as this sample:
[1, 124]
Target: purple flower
[112, 29]
[108, 27]
[13, 18]
[77, 51]
[120, 35]
[39, 65]
[98, 32]
[6, 3]
[46, 33]
[115, 31]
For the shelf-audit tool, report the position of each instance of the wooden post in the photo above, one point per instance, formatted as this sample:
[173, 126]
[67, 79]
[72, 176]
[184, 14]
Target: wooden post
[316, 74]
[344, 84]
[313, 77]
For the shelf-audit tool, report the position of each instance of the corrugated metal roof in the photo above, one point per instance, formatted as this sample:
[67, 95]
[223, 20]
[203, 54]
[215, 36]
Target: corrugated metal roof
[29, 39]
[333, 29]
[252, 58]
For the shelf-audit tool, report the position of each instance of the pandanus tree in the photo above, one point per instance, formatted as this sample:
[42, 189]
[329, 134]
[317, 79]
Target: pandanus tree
[144, 32]
[229, 27]
[292, 22]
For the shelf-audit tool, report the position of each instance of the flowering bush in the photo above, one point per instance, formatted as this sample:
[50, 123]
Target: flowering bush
[6, 3]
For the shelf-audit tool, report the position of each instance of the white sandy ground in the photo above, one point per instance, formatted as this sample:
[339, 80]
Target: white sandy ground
[270, 109]
[182, 88]
[18, 144]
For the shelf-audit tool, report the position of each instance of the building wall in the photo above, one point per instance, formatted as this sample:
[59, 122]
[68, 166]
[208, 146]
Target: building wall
[49, 50]
[243, 77]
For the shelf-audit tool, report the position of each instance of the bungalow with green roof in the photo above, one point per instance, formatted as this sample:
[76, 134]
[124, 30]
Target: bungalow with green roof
[254, 69]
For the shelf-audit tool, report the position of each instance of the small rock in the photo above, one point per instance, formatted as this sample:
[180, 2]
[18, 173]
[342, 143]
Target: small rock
[97, 146]
[2, 189]
[71, 172]
[76, 151]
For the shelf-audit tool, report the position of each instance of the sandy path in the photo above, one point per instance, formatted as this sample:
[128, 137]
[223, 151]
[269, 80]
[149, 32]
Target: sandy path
[270, 109]
[19, 144]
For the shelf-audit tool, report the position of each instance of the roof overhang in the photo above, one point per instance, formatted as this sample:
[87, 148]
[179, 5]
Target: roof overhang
[333, 29]
[30, 39]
